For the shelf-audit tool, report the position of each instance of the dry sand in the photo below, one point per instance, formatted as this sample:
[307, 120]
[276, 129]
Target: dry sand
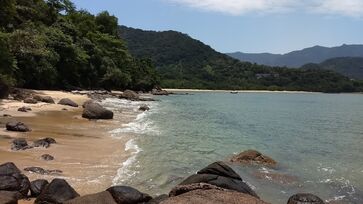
[85, 151]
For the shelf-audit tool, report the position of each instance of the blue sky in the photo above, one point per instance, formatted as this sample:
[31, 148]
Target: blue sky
[276, 26]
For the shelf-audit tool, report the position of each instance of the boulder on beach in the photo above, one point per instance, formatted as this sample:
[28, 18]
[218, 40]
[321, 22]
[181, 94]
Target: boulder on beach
[213, 196]
[130, 95]
[39, 170]
[11, 179]
[30, 101]
[96, 111]
[159, 92]
[104, 197]
[305, 198]
[144, 107]
[24, 109]
[253, 157]
[87, 102]
[20, 144]
[128, 195]
[37, 186]
[57, 192]
[181, 189]
[9, 197]
[45, 99]
[67, 102]
[47, 157]
[17, 127]
[45, 142]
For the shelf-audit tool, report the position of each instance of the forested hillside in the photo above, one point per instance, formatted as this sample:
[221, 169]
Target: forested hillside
[49, 44]
[351, 67]
[184, 62]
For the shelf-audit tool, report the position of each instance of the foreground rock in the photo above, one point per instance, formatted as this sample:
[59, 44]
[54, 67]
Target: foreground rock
[37, 186]
[130, 95]
[20, 144]
[57, 192]
[104, 197]
[305, 198]
[67, 102]
[144, 107]
[47, 157]
[11, 179]
[30, 101]
[39, 170]
[9, 197]
[45, 99]
[17, 127]
[96, 111]
[253, 157]
[128, 195]
[220, 175]
[213, 196]
[24, 109]
[45, 142]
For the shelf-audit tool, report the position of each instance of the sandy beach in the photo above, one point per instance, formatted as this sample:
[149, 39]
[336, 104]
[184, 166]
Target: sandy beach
[85, 151]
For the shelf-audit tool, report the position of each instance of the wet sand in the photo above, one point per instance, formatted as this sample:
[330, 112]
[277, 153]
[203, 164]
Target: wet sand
[85, 151]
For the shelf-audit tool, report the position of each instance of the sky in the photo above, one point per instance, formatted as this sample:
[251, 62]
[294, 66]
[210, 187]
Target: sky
[252, 26]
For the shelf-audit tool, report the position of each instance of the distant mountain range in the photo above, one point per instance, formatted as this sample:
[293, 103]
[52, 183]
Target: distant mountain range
[184, 62]
[296, 59]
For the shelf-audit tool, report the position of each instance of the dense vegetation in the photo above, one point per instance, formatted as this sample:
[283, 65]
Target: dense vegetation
[50, 44]
[296, 59]
[351, 67]
[187, 63]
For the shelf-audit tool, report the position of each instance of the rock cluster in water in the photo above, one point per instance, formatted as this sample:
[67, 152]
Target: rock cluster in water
[216, 183]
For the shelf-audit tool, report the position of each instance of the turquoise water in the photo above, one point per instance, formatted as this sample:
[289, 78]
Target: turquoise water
[316, 138]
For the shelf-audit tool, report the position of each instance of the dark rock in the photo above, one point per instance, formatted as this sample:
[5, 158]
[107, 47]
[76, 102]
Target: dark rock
[30, 100]
[21, 94]
[11, 179]
[7, 115]
[17, 127]
[46, 142]
[253, 157]
[159, 92]
[213, 196]
[305, 198]
[20, 144]
[37, 186]
[96, 111]
[144, 107]
[47, 157]
[4, 89]
[57, 192]
[180, 189]
[64, 109]
[67, 102]
[39, 170]
[158, 199]
[87, 102]
[219, 174]
[130, 95]
[24, 109]
[104, 197]
[9, 197]
[45, 99]
[128, 195]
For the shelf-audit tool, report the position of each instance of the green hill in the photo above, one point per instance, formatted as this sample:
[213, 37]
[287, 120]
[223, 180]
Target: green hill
[351, 67]
[184, 62]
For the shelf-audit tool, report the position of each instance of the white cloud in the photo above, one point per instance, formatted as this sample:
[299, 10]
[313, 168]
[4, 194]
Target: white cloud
[240, 7]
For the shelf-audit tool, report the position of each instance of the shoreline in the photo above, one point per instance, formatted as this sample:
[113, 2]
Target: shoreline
[237, 91]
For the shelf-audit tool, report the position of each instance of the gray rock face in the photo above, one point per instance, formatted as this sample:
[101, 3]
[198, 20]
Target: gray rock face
[305, 198]
[130, 95]
[45, 142]
[45, 99]
[159, 92]
[37, 186]
[96, 111]
[128, 195]
[30, 101]
[104, 197]
[57, 192]
[17, 127]
[11, 179]
[67, 102]
[20, 144]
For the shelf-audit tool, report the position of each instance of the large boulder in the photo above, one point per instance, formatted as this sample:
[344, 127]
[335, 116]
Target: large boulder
[159, 92]
[37, 186]
[9, 197]
[305, 198]
[45, 99]
[104, 197]
[253, 157]
[11, 179]
[213, 196]
[96, 111]
[128, 195]
[67, 102]
[45, 142]
[130, 95]
[30, 100]
[20, 144]
[57, 192]
[17, 127]
[221, 175]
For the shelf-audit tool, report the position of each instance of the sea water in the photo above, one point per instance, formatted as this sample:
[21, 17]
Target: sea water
[317, 140]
